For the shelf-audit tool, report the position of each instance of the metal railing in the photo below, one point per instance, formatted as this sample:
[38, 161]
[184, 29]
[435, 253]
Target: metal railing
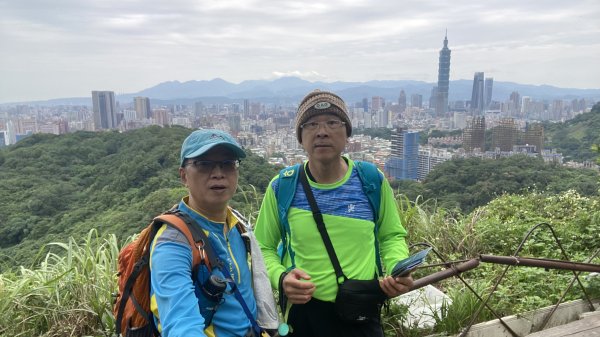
[455, 268]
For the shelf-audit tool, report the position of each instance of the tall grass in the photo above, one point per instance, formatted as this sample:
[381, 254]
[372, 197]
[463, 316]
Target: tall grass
[456, 314]
[450, 233]
[70, 294]
[251, 205]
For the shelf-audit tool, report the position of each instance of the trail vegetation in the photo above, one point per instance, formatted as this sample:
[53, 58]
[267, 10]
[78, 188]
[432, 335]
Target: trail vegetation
[70, 202]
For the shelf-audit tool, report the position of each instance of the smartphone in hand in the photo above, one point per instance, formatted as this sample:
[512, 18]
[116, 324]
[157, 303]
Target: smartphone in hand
[404, 267]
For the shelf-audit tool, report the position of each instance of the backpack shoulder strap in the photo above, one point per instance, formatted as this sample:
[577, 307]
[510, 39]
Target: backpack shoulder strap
[371, 181]
[201, 247]
[286, 189]
[202, 252]
[288, 179]
[138, 252]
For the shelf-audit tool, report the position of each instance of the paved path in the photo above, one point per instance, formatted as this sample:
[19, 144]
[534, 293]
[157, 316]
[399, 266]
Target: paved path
[586, 327]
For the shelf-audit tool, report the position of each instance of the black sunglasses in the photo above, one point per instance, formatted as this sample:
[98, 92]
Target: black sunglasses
[207, 166]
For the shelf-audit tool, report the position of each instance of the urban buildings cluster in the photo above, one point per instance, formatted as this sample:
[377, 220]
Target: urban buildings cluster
[268, 129]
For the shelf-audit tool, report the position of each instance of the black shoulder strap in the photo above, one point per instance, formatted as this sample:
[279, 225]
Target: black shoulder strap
[321, 226]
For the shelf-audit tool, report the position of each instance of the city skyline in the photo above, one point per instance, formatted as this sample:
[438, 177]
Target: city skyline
[74, 48]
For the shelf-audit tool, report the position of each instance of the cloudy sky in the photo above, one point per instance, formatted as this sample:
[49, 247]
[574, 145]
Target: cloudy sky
[67, 48]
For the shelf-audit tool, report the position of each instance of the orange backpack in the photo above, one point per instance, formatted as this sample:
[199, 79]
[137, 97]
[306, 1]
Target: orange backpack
[132, 305]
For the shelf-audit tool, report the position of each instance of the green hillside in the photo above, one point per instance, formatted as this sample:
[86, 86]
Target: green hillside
[575, 137]
[466, 184]
[572, 138]
[88, 192]
[54, 187]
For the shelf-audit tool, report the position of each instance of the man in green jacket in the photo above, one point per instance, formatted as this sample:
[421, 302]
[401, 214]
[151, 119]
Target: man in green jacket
[309, 283]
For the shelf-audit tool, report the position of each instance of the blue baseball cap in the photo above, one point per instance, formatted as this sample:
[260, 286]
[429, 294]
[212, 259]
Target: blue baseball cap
[200, 141]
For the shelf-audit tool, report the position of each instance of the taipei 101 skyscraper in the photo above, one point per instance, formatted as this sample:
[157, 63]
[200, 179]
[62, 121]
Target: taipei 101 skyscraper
[441, 106]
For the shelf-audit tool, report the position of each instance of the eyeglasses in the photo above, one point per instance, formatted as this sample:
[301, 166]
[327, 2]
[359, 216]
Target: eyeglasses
[331, 124]
[207, 166]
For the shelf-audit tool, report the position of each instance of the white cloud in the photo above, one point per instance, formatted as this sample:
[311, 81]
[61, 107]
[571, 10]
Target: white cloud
[310, 75]
[69, 47]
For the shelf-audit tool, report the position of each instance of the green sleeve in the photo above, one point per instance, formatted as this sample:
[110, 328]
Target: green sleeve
[268, 234]
[392, 235]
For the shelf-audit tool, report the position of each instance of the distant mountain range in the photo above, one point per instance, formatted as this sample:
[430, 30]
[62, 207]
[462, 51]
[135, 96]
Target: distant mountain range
[292, 89]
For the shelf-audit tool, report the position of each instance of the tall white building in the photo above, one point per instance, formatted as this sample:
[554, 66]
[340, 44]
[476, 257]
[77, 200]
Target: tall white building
[429, 158]
[11, 133]
[489, 84]
[142, 107]
[459, 120]
[383, 118]
[525, 106]
[104, 109]
[477, 97]
[368, 120]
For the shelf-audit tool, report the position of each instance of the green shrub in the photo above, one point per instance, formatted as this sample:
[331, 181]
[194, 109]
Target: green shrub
[69, 294]
[70, 291]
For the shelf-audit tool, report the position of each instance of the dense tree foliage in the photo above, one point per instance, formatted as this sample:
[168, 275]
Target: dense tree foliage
[70, 292]
[501, 227]
[596, 149]
[383, 133]
[575, 137]
[465, 184]
[54, 187]
[409, 188]
[59, 186]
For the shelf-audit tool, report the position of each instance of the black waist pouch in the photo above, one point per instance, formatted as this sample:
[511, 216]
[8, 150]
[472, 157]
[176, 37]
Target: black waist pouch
[359, 300]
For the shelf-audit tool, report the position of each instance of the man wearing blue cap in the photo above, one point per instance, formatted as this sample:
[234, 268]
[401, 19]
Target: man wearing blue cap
[209, 165]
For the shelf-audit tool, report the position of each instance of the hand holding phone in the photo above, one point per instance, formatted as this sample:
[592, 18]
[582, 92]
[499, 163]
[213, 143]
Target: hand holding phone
[404, 267]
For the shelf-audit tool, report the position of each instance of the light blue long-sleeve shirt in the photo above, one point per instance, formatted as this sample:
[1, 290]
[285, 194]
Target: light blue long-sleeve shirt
[179, 307]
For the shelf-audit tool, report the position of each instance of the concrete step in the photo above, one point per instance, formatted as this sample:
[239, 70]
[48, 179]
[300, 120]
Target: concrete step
[526, 324]
[587, 327]
[589, 314]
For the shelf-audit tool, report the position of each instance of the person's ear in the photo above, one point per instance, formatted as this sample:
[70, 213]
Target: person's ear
[183, 176]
